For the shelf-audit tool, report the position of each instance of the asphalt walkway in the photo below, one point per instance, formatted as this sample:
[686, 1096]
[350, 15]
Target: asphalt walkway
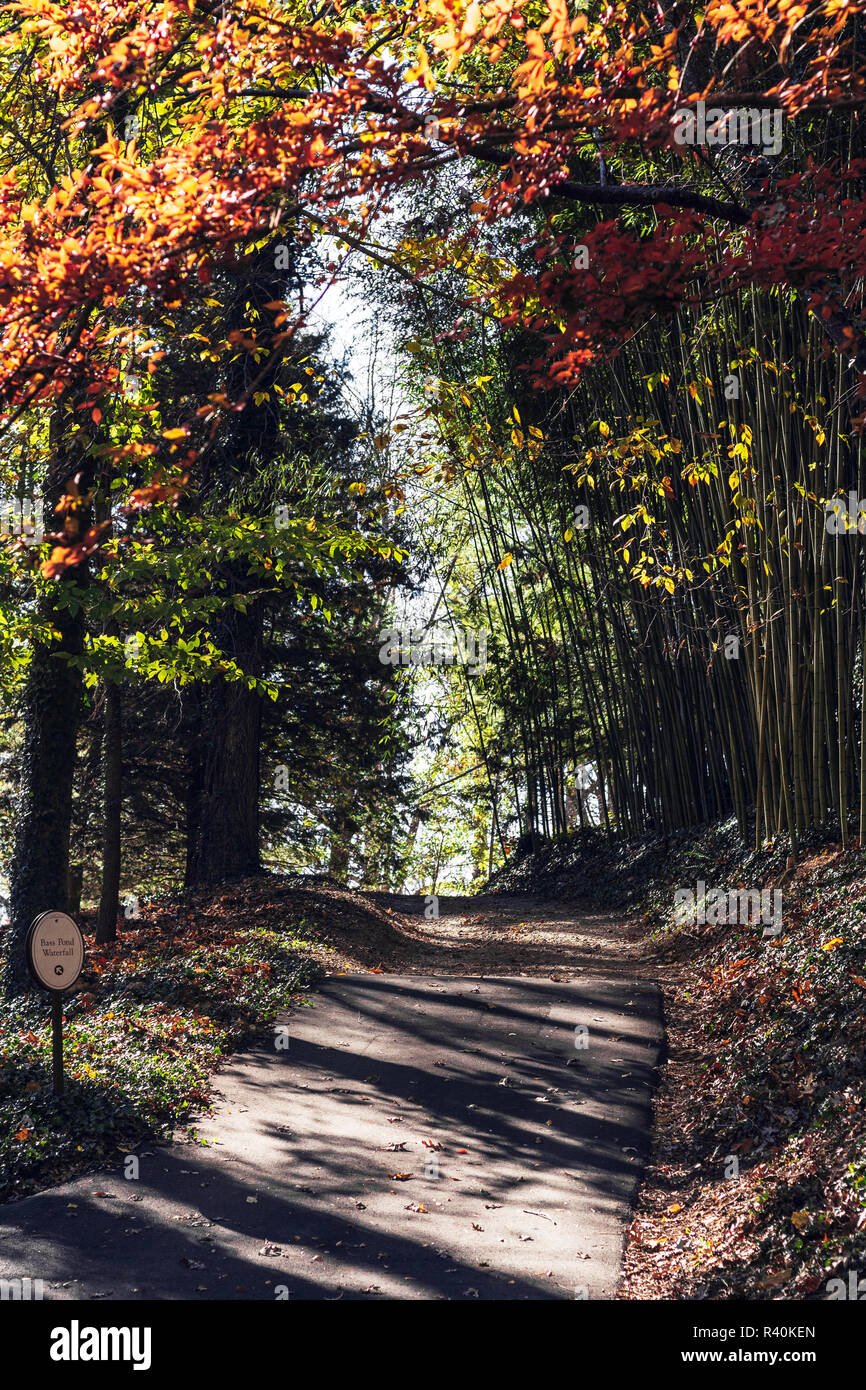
[418, 1138]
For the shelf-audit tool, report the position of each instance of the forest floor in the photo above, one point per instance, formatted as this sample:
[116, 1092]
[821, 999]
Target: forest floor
[756, 1188]
[756, 1184]
[461, 1110]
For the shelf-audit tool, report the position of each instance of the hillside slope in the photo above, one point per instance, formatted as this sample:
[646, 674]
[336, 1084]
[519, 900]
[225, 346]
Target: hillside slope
[757, 1183]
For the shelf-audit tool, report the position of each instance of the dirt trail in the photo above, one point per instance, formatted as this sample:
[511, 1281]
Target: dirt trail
[507, 935]
[468, 1120]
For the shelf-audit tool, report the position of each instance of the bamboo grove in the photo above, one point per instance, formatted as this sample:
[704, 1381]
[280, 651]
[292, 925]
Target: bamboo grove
[670, 556]
[700, 638]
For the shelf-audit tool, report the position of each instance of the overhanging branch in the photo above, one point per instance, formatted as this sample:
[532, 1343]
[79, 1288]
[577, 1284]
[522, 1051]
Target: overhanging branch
[627, 195]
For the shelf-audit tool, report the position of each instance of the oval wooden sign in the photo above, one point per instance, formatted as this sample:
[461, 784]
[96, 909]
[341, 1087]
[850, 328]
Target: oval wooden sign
[55, 950]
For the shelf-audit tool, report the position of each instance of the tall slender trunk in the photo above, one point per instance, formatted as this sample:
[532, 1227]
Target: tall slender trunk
[341, 846]
[112, 753]
[224, 824]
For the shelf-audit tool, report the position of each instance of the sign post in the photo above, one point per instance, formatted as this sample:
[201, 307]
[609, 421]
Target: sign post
[57, 1040]
[55, 956]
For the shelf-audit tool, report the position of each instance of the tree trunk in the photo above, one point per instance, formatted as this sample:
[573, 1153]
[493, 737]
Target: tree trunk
[52, 703]
[223, 814]
[341, 847]
[112, 736]
[51, 710]
[74, 886]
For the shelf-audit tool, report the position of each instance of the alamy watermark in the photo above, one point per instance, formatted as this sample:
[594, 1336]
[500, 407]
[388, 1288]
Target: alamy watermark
[704, 906]
[423, 647]
[24, 1290]
[761, 127]
[22, 517]
[855, 1289]
[842, 517]
[77, 1343]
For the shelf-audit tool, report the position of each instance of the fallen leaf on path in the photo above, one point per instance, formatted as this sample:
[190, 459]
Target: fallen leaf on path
[774, 1281]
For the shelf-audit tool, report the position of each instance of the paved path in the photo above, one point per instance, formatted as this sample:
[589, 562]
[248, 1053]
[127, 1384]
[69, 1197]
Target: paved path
[539, 1148]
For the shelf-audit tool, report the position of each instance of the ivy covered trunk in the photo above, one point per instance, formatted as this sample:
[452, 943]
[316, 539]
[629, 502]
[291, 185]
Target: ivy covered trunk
[51, 711]
[52, 704]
